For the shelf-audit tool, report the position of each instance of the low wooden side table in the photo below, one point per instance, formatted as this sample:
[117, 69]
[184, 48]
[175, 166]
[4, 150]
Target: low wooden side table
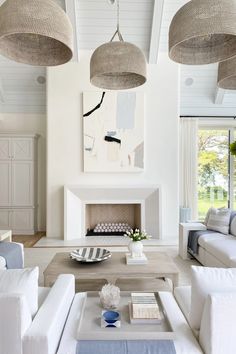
[6, 235]
[160, 265]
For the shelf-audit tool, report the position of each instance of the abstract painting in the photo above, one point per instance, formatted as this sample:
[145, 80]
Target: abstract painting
[113, 128]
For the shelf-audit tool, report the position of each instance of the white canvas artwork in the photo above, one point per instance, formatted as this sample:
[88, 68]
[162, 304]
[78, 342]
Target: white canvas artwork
[113, 124]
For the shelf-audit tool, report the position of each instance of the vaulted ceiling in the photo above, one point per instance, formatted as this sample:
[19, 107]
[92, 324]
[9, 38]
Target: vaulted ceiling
[144, 23]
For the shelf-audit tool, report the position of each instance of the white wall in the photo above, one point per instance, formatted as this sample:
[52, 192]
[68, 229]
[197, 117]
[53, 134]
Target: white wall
[31, 123]
[64, 127]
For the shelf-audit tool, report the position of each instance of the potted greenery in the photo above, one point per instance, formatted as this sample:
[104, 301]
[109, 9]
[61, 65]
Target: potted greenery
[136, 245]
[232, 148]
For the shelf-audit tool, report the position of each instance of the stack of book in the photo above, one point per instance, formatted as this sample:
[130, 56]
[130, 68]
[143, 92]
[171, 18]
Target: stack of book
[144, 309]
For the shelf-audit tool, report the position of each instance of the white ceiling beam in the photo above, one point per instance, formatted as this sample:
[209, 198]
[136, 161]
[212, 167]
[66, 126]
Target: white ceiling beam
[71, 12]
[219, 95]
[156, 31]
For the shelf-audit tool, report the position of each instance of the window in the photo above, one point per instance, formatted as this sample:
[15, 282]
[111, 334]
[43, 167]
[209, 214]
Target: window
[214, 170]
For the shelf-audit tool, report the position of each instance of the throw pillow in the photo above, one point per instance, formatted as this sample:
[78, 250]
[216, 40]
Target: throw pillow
[233, 227]
[21, 281]
[207, 216]
[219, 220]
[204, 282]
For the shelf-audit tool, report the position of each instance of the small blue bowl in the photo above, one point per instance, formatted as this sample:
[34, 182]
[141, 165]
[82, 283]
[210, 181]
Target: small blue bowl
[111, 316]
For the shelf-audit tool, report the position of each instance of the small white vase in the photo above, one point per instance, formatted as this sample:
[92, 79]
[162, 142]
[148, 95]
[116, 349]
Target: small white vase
[136, 249]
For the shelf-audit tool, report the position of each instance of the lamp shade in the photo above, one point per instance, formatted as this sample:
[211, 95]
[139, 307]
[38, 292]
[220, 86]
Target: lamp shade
[227, 74]
[36, 32]
[117, 66]
[203, 32]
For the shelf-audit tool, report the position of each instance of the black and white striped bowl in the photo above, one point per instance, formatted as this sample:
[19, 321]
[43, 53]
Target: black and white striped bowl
[90, 254]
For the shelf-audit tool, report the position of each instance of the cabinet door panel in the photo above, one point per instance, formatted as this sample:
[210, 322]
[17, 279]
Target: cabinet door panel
[5, 148]
[5, 222]
[22, 220]
[22, 149]
[22, 183]
[5, 183]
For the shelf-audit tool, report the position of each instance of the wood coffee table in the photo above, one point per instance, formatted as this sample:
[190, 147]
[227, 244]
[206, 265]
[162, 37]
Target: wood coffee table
[160, 265]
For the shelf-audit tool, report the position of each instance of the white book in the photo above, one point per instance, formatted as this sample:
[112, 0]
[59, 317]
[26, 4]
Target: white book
[137, 321]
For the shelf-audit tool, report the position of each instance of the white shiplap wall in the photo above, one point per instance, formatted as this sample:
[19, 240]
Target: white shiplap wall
[21, 91]
[199, 98]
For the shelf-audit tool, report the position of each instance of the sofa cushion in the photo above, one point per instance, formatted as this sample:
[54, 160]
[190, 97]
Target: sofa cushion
[205, 239]
[217, 332]
[219, 220]
[42, 295]
[21, 281]
[204, 282]
[223, 248]
[183, 297]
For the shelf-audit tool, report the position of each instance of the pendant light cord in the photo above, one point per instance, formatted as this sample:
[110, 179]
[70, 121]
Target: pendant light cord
[117, 32]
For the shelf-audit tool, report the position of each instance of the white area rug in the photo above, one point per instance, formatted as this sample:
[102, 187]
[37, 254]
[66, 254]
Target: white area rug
[42, 256]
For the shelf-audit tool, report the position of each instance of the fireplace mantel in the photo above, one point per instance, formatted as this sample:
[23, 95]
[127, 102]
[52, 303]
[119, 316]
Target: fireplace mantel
[77, 197]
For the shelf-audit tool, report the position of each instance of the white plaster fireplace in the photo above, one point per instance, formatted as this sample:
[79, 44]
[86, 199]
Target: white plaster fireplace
[84, 206]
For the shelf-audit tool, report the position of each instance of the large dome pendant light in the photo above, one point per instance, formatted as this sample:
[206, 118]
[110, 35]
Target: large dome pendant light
[203, 32]
[35, 32]
[227, 74]
[117, 65]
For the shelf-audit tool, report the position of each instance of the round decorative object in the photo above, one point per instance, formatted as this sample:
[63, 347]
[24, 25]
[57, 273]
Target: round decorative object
[136, 249]
[35, 32]
[110, 296]
[90, 254]
[227, 74]
[203, 32]
[118, 66]
[111, 316]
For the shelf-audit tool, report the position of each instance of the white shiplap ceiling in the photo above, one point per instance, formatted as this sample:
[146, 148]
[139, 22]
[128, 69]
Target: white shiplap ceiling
[95, 23]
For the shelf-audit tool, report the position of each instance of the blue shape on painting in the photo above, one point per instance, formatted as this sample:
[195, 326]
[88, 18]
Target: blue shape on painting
[125, 114]
[111, 133]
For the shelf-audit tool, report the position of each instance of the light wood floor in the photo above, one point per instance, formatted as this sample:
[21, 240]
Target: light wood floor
[28, 240]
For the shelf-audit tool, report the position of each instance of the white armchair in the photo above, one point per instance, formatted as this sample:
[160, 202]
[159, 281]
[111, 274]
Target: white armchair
[20, 334]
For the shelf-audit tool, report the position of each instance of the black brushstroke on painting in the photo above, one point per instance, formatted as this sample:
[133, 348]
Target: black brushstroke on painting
[95, 108]
[110, 139]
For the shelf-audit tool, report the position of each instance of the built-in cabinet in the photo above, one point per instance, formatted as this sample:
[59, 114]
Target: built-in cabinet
[18, 183]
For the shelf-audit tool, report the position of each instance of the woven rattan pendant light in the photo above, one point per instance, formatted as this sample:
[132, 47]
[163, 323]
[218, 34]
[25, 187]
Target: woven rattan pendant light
[227, 74]
[203, 32]
[36, 32]
[118, 65]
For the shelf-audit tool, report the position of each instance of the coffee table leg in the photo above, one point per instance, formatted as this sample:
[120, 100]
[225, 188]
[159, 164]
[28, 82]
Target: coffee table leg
[111, 279]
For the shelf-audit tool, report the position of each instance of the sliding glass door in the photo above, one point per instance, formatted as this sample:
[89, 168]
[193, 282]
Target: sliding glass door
[214, 170]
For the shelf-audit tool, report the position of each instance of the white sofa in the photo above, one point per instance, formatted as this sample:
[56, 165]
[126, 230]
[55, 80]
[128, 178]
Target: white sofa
[20, 334]
[215, 249]
[217, 331]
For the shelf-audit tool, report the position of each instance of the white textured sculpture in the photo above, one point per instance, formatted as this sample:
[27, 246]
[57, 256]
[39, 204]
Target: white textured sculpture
[110, 296]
